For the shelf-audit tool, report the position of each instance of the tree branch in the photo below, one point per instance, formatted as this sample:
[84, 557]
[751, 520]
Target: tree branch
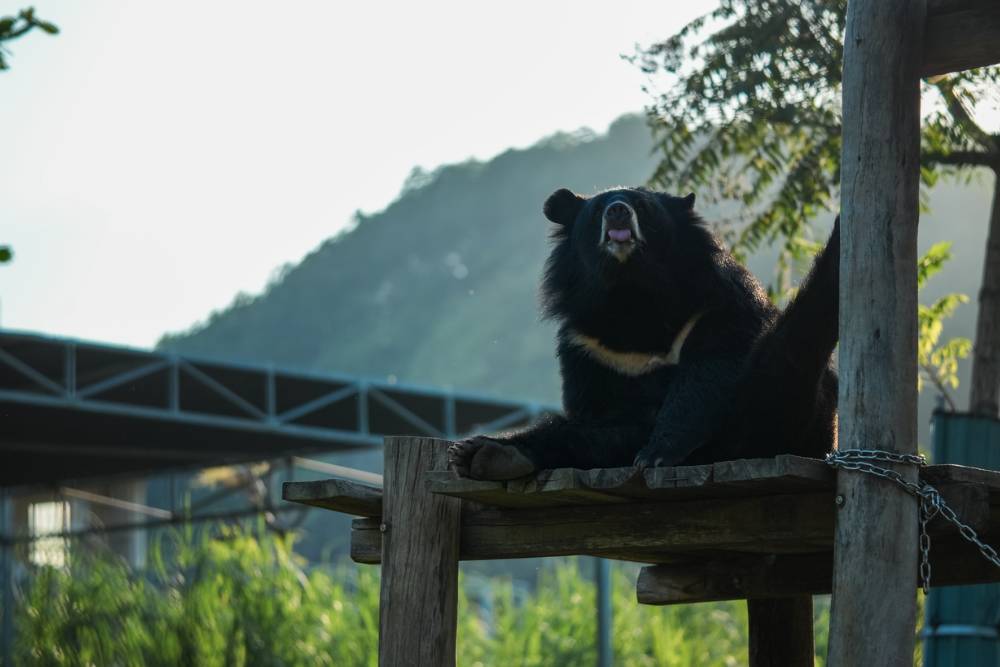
[963, 118]
[931, 374]
[964, 158]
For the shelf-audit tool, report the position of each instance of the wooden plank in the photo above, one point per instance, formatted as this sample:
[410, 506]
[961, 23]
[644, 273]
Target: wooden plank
[567, 486]
[548, 488]
[874, 610]
[339, 495]
[781, 632]
[971, 502]
[448, 483]
[943, 474]
[645, 532]
[420, 530]
[964, 37]
[615, 485]
[954, 562]
[736, 577]
[782, 473]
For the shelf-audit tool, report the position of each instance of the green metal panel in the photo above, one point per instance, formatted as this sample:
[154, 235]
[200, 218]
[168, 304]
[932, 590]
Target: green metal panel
[962, 623]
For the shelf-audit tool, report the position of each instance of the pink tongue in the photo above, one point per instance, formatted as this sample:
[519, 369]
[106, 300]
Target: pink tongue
[619, 235]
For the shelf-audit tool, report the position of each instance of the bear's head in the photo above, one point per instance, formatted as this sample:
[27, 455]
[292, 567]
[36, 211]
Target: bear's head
[621, 241]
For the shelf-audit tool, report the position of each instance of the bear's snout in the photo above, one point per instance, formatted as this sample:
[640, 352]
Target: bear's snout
[619, 229]
[618, 214]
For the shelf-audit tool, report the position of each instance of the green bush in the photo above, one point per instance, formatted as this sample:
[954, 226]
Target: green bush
[230, 597]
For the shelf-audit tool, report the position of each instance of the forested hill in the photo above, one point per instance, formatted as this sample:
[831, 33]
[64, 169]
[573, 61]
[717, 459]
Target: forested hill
[440, 287]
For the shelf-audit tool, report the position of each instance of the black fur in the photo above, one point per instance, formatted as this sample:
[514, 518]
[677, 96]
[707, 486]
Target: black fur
[750, 381]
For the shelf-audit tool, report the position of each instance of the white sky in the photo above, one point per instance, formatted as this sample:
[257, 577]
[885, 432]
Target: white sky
[158, 157]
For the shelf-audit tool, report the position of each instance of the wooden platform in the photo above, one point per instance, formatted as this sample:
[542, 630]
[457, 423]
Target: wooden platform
[738, 529]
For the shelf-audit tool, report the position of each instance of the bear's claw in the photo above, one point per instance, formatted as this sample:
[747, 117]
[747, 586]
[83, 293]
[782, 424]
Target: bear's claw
[484, 458]
[654, 457]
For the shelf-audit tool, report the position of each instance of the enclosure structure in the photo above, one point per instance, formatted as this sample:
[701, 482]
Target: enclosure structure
[771, 531]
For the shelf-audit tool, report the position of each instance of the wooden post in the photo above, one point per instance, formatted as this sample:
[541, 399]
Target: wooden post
[875, 553]
[781, 632]
[420, 538]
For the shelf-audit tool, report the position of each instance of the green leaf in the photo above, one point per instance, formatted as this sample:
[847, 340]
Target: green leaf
[48, 27]
[6, 254]
[932, 261]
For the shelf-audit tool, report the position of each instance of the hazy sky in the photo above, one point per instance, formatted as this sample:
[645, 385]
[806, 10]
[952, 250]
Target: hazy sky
[158, 157]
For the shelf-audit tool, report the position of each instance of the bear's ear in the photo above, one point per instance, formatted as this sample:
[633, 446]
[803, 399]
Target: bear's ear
[562, 206]
[687, 201]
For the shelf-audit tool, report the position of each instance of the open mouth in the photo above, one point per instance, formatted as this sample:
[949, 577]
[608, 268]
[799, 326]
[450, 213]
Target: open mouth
[619, 230]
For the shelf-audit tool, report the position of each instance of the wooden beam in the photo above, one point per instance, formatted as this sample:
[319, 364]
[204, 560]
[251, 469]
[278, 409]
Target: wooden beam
[954, 562]
[644, 532]
[339, 495]
[419, 597]
[873, 612]
[963, 35]
[781, 632]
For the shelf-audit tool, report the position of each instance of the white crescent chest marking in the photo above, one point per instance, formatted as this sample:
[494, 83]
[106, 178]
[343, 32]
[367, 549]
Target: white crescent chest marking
[634, 363]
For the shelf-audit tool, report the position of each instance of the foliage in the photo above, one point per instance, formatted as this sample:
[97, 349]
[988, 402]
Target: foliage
[751, 111]
[12, 27]
[231, 598]
[6, 254]
[938, 363]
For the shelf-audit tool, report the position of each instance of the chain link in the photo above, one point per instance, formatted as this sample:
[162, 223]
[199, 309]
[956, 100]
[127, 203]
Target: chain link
[931, 502]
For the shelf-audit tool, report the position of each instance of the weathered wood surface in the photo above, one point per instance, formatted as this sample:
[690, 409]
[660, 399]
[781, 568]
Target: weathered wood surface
[339, 495]
[781, 632]
[961, 34]
[419, 596]
[954, 562]
[729, 479]
[568, 486]
[785, 474]
[873, 611]
[643, 532]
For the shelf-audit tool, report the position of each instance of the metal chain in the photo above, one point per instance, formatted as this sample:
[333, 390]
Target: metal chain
[931, 502]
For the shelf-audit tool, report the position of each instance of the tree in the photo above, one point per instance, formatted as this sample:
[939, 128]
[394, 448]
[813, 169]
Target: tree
[752, 112]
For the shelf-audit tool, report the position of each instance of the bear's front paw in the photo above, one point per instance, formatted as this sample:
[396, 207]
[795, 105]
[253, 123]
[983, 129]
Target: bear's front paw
[655, 456]
[484, 458]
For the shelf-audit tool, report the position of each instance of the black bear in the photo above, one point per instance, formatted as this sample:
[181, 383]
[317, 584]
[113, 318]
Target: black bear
[670, 351]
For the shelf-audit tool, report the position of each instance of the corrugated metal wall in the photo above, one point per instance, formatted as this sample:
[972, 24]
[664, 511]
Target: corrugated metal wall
[962, 622]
